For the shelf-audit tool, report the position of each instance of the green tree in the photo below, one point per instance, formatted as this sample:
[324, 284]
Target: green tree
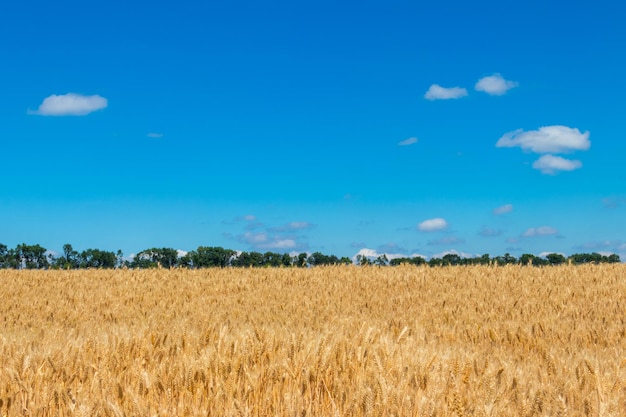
[452, 259]
[381, 260]
[4, 252]
[96, 258]
[211, 256]
[154, 257]
[555, 258]
[31, 256]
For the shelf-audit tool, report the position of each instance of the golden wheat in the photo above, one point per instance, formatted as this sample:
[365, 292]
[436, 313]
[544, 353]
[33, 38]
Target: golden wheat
[332, 341]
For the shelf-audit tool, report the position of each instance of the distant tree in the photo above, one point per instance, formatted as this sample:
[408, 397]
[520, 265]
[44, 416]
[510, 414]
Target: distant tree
[31, 256]
[344, 260]
[613, 258]
[452, 259]
[272, 259]
[400, 261]
[381, 260]
[318, 258]
[286, 260]
[211, 256]
[69, 259]
[3, 256]
[96, 258]
[362, 260]
[120, 259]
[302, 260]
[435, 262]
[249, 259]
[555, 258]
[507, 259]
[154, 257]
[485, 259]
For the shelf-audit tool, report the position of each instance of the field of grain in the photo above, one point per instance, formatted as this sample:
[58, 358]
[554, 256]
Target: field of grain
[332, 341]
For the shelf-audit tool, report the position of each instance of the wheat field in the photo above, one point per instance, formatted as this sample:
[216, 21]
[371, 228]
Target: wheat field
[326, 341]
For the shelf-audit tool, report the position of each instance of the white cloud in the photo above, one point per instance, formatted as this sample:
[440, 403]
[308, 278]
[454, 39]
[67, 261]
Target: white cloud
[181, 253]
[437, 92]
[555, 139]
[255, 238]
[494, 85]
[432, 225]
[70, 105]
[249, 218]
[550, 164]
[540, 231]
[263, 241]
[155, 135]
[409, 141]
[507, 208]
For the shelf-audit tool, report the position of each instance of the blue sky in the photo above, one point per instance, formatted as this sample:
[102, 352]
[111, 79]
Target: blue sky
[382, 127]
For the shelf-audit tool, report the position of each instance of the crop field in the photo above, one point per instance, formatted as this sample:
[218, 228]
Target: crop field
[325, 341]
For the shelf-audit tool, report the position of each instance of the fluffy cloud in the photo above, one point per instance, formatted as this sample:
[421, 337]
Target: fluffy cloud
[70, 105]
[432, 225]
[540, 231]
[409, 141]
[550, 164]
[494, 85]
[507, 208]
[555, 139]
[437, 92]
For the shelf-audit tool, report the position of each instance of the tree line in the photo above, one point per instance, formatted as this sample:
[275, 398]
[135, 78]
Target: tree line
[25, 256]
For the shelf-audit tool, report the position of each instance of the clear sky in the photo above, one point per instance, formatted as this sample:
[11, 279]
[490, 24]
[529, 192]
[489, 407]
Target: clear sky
[396, 127]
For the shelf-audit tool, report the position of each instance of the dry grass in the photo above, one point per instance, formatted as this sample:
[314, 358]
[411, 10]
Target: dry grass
[335, 341]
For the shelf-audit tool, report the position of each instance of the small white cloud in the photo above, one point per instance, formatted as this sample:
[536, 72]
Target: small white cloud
[70, 105]
[495, 85]
[437, 92]
[155, 135]
[550, 164]
[507, 208]
[540, 231]
[249, 218]
[432, 225]
[255, 238]
[407, 142]
[555, 139]
[181, 253]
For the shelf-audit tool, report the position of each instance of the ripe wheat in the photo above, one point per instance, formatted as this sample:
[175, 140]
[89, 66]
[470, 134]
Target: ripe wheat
[336, 341]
